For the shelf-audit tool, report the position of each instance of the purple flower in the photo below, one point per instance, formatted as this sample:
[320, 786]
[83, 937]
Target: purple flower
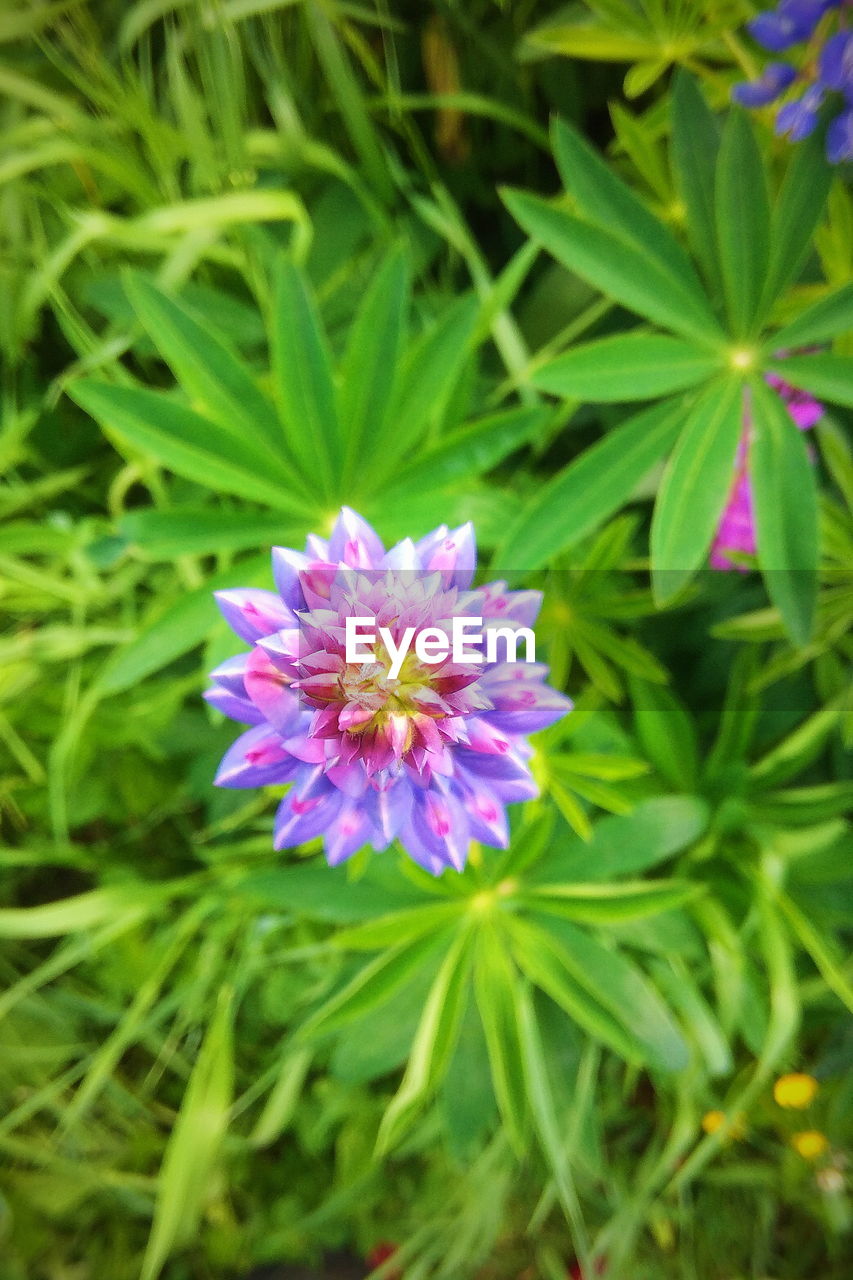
[839, 137]
[835, 67]
[430, 755]
[799, 119]
[757, 93]
[792, 22]
[736, 531]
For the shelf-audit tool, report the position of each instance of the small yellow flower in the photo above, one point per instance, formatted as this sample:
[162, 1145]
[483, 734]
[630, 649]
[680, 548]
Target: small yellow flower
[796, 1090]
[811, 1144]
[712, 1121]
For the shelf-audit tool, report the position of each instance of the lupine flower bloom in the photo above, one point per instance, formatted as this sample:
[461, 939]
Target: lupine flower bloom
[736, 530]
[829, 78]
[430, 757]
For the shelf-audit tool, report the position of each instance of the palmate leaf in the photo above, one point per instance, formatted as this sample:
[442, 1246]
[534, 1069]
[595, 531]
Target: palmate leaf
[827, 376]
[698, 1019]
[653, 832]
[606, 201]
[214, 377]
[624, 990]
[163, 535]
[495, 980]
[470, 451]
[435, 1040]
[830, 317]
[797, 211]
[546, 1114]
[612, 903]
[786, 512]
[743, 222]
[591, 488]
[374, 982]
[695, 145]
[599, 989]
[369, 369]
[175, 630]
[190, 445]
[695, 487]
[618, 267]
[304, 380]
[631, 366]
[428, 374]
[667, 733]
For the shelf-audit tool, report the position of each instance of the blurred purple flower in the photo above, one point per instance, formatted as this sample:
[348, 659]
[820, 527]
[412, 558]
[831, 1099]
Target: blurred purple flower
[839, 138]
[792, 22]
[432, 757]
[757, 93]
[798, 119]
[736, 531]
[835, 67]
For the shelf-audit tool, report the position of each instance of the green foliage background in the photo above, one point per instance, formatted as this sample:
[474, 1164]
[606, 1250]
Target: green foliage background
[260, 258]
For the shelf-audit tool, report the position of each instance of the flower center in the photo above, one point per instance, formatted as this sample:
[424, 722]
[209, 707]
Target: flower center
[373, 696]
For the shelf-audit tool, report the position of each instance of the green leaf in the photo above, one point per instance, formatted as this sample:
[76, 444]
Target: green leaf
[605, 200]
[590, 488]
[695, 488]
[325, 893]
[583, 40]
[369, 369]
[163, 535]
[495, 980]
[612, 903]
[81, 911]
[468, 1103]
[306, 390]
[698, 1018]
[380, 1041]
[547, 1117]
[435, 1040]
[829, 959]
[469, 452]
[623, 989]
[827, 376]
[804, 806]
[547, 965]
[654, 831]
[786, 510]
[829, 318]
[743, 221]
[617, 267]
[634, 366]
[184, 1181]
[695, 146]
[191, 446]
[667, 733]
[429, 373]
[397, 926]
[797, 211]
[174, 631]
[374, 983]
[284, 1098]
[217, 382]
